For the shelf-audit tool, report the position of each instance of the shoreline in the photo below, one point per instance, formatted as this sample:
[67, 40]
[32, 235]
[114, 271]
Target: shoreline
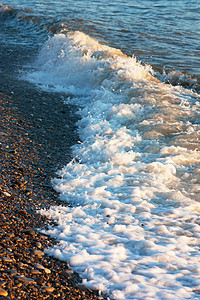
[34, 134]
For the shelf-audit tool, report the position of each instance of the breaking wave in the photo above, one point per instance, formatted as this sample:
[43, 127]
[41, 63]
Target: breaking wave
[133, 228]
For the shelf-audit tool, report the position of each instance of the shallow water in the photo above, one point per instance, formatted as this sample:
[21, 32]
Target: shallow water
[131, 223]
[162, 33]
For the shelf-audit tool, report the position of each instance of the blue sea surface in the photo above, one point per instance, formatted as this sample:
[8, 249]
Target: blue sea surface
[165, 34]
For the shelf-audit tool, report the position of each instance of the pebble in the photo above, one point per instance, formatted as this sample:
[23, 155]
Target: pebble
[12, 271]
[7, 260]
[22, 212]
[38, 253]
[7, 194]
[47, 271]
[48, 289]
[66, 274]
[39, 245]
[3, 292]
[84, 288]
[3, 217]
[25, 279]
[40, 267]
[10, 235]
[30, 232]
[35, 272]
[43, 237]
[9, 249]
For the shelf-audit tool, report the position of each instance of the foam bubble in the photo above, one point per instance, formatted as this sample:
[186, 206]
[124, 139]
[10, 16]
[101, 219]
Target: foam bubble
[132, 230]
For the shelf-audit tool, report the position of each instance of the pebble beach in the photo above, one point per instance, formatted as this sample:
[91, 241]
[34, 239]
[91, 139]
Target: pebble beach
[26, 271]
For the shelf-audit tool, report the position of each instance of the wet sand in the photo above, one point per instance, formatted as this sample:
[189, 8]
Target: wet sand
[35, 139]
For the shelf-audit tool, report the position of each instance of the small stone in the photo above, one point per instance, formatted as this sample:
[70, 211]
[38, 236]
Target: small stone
[12, 271]
[19, 285]
[7, 194]
[19, 240]
[35, 272]
[3, 217]
[38, 266]
[30, 232]
[2, 282]
[39, 245]
[3, 292]
[48, 289]
[7, 259]
[3, 133]
[12, 151]
[38, 253]
[43, 237]
[24, 279]
[39, 280]
[84, 288]
[47, 271]
[22, 212]
[10, 235]
[66, 274]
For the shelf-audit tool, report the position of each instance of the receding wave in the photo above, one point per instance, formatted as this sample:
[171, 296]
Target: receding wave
[133, 228]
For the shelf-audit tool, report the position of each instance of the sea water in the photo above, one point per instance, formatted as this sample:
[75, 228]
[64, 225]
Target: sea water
[129, 223]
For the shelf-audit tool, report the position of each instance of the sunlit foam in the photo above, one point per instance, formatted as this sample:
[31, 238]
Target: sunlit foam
[132, 230]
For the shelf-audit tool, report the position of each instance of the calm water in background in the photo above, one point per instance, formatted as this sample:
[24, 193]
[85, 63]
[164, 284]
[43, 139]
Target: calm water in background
[162, 33]
[133, 228]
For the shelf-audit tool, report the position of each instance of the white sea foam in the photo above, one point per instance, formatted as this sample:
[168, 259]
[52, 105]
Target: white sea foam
[133, 229]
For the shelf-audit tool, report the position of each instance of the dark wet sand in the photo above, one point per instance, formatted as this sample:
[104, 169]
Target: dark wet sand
[36, 133]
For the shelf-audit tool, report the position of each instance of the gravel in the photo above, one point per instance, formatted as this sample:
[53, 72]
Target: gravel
[36, 133]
